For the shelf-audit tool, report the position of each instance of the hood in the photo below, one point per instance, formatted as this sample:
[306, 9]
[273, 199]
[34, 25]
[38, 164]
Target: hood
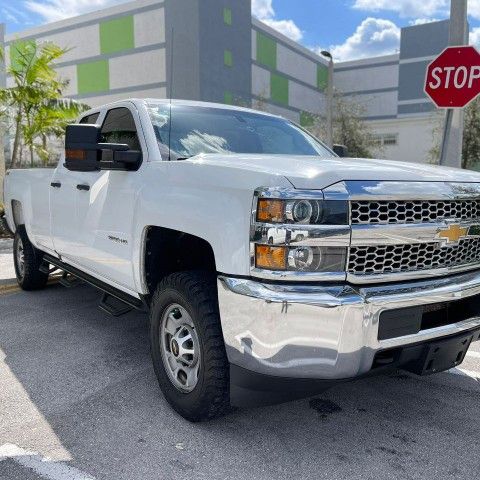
[306, 172]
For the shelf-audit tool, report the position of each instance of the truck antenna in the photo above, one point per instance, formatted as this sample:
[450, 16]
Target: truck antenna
[171, 95]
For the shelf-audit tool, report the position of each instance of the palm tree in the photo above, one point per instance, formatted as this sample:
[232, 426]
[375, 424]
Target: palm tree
[36, 97]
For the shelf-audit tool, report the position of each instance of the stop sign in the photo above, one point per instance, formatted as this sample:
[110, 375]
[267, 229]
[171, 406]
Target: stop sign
[453, 78]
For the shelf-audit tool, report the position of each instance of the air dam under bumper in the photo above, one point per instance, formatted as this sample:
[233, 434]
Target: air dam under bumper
[326, 332]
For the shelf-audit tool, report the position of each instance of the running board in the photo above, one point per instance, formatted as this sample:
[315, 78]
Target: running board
[113, 306]
[113, 300]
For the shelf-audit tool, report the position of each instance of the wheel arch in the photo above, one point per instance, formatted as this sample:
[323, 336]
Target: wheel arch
[165, 251]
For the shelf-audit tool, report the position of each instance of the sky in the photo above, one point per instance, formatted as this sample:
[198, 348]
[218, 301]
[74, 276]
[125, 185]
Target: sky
[350, 29]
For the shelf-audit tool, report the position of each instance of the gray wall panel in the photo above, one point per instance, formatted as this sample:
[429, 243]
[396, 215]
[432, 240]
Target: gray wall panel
[411, 80]
[215, 37]
[424, 40]
[183, 16]
[416, 108]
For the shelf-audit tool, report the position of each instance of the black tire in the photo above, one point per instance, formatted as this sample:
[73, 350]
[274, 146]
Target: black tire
[196, 292]
[29, 277]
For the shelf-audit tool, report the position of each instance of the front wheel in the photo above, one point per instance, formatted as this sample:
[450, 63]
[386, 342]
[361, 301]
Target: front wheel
[187, 345]
[27, 261]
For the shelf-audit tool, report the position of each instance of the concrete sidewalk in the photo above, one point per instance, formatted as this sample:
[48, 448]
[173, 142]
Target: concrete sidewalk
[7, 271]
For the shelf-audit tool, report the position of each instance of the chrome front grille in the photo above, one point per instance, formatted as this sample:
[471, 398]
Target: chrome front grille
[402, 230]
[393, 212]
[380, 260]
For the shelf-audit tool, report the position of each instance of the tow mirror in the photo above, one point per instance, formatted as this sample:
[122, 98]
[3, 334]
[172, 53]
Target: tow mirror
[341, 150]
[85, 153]
[81, 147]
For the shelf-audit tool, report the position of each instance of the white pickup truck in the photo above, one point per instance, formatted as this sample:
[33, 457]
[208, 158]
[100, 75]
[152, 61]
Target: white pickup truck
[170, 208]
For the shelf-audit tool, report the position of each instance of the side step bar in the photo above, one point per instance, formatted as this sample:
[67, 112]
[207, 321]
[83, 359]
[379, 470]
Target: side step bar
[114, 301]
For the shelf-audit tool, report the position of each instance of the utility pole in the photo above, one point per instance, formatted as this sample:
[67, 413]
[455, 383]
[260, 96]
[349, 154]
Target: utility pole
[329, 138]
[452, 143]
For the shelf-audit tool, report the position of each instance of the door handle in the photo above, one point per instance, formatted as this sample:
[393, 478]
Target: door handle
[56, 184]
[83, 187]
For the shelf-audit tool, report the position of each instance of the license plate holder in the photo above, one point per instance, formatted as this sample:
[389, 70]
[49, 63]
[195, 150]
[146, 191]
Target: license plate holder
[446, 354]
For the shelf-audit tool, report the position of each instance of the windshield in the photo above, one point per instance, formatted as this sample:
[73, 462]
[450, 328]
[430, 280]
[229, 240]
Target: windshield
[195, 130]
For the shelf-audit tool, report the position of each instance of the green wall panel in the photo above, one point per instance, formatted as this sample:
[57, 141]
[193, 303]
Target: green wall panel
[322, 77]
[228, 98]
[279, 89]
[117, 35]
[26, 46]
[93, 77]
[266, 51]
[228, 58]
[227, 16]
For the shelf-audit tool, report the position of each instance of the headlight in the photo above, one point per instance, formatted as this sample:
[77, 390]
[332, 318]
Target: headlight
[299, 235]
[305, 212]
[300, 259]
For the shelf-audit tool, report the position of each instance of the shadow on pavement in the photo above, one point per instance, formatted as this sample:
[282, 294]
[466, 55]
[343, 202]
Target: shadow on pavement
[90, 377]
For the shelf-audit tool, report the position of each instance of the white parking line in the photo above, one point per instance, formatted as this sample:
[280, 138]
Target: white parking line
[44, 467]
[473, 354]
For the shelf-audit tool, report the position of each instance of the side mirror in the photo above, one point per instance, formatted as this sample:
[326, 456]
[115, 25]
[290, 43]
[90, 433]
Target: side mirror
[341, 150]
[81, 147]
[85, 153]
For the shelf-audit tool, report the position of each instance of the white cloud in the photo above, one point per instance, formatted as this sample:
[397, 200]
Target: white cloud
[475, 37]
[422, 21]
[52, 10]
[373, 37]
[263, 10]
[406, 8]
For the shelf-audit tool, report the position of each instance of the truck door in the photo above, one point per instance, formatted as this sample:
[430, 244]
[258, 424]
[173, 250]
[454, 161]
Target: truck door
[105, 204]
[63, 208]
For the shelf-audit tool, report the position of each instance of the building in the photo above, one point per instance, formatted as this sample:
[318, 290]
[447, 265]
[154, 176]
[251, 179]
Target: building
[215, 51]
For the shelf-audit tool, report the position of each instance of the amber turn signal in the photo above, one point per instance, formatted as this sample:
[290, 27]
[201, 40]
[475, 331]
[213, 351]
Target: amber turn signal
[271, 258]
[270, 211]
[75, 154]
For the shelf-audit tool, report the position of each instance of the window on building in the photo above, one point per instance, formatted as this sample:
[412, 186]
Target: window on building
[119, 127]
[386, 139]
[90, 119]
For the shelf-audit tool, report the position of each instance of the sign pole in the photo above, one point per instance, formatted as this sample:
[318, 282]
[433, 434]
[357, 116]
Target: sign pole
[452, 142]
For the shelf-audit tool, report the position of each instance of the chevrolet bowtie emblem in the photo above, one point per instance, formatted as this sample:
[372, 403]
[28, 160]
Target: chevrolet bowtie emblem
[453, 233]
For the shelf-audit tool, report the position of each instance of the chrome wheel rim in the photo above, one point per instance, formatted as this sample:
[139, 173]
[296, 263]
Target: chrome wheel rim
[20, 255]
[180, 348]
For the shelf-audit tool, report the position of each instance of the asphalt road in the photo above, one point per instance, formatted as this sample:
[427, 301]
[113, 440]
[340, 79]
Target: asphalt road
[79, 401]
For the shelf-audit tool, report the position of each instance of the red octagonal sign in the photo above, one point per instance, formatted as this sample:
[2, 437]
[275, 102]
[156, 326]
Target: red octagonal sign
[453, 78]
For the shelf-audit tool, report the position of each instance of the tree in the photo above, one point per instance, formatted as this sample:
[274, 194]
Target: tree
[35, 100]
[471, 136]
[349, 127]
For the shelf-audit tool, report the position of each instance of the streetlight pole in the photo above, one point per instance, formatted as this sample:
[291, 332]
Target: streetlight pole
[452, 142]
[329, 138]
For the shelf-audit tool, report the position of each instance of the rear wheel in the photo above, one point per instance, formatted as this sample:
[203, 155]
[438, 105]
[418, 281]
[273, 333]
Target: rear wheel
[27, 261]
[187, 346]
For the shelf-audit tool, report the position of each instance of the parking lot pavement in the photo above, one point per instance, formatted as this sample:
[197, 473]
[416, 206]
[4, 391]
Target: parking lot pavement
[7, 271]
[79, 400]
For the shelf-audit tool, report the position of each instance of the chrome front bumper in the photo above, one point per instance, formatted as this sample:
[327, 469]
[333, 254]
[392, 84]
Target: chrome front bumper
[325, 332]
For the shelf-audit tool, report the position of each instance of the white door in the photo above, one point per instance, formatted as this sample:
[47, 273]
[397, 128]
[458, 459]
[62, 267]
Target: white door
[105, 207]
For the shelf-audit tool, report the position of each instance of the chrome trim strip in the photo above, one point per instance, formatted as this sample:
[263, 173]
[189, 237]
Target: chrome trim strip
[302, 235]
[402, 233]
[411, 275]
[294, 276]
[288, 193]
[393, 190]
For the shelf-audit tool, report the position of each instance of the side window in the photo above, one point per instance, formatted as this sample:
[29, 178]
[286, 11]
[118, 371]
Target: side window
[90, 119]
[119, 127]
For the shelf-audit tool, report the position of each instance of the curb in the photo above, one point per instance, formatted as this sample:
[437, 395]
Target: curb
[8, 282]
